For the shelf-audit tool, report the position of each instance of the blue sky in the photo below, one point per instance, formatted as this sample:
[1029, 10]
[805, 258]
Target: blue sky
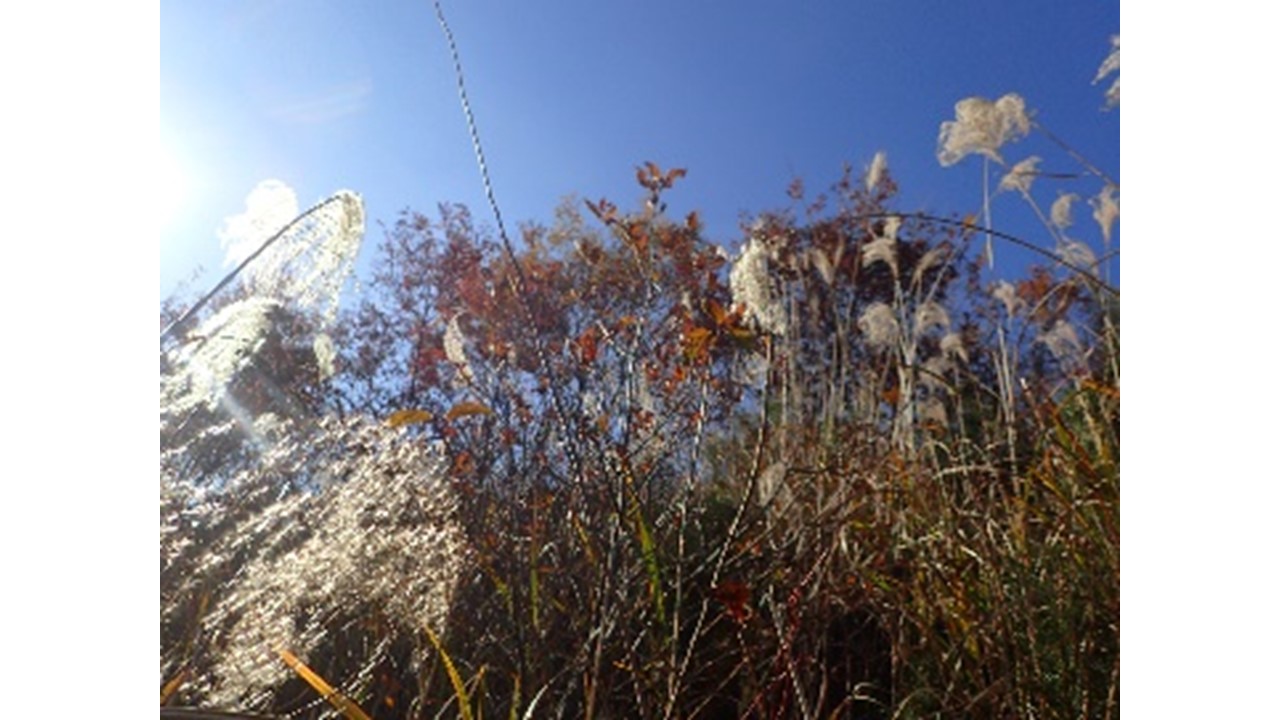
[570, 96]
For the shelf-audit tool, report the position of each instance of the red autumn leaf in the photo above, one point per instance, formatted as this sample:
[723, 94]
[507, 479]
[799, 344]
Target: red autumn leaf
[605, 210]
[588, 345]
[463, 463]
[734, 596]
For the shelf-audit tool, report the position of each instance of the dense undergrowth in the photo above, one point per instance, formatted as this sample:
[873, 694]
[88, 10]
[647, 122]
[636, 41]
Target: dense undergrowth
[842, 474]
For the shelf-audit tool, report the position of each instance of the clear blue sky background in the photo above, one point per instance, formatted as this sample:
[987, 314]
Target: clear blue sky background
[571, 95]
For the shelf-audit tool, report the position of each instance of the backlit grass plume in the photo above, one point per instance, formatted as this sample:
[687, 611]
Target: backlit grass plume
[339, 520]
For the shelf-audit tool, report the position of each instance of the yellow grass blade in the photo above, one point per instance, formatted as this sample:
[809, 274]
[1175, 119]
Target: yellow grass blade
[459, 689]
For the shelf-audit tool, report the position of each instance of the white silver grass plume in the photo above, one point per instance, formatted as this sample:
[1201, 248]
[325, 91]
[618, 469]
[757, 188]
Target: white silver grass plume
[326, 354]
[1007, 294]
[1078, 255]
[1106, 209]
[934, 372]
[930, 315]
[953, 347]
[1021, 175]
[936, 257]
[932, 410]
[224, 345]
[880, 326]
[370, 526]
[1111, 65]
[820, 262]
[771, 488]
[753, 287]
[876, 172]
[982, 127]
[310, 263]
[1060, 211]
[884, 248]
[1064, 344]
[455, 349]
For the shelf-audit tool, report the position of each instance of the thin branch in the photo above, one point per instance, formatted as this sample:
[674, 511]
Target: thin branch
[519, 284]
[1078, 157]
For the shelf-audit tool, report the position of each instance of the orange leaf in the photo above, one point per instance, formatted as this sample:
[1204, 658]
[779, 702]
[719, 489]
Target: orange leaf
[696, 342]
[716, 311]
[741, 334]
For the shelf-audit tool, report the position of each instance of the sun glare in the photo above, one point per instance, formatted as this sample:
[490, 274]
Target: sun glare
[171, 184]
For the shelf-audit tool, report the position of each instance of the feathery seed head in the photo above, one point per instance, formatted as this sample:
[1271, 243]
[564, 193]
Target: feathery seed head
[953, 346]
[379, 528]
[1021, 175]
[875, 173]
[228, 343]
[1106, 209]
[885, 247]
[1007, 294]
[1111, 65]
[752, 287]
[1064, 344]
[818, 258]
[1078, 255]
[879, 325]
[982, 126]
[1060, 212]
[930, 315]
[454, 348]
[936, 257]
